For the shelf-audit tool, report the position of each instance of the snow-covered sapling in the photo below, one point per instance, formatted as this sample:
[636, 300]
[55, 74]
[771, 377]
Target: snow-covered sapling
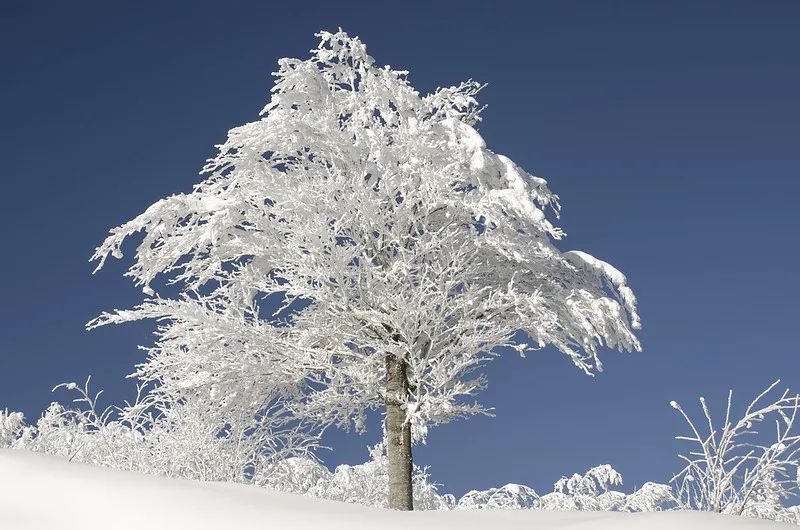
[737, 470]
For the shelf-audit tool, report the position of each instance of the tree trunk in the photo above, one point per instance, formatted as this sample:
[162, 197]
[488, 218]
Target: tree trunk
[398, 436]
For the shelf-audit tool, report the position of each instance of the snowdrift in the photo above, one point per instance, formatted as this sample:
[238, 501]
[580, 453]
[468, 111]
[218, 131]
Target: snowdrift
[42, 492]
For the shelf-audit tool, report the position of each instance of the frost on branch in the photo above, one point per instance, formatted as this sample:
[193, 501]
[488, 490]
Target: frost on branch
[735, 469]
[382, 225]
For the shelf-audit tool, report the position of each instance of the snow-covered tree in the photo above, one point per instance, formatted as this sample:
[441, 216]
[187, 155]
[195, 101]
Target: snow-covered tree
[402, 253]
[735, 469]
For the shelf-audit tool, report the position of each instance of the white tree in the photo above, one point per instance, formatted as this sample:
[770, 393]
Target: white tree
[402, 250]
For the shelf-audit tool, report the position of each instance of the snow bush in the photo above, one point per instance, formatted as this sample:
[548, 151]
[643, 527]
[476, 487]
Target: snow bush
[592, 492]
[12, 427]
[651, 497]
[298, 475]
[508, 497]
[368, 483]
[592, 483]
[734, 469]
[157, 436]
[179, 441]
[365, 483]
[588, 492]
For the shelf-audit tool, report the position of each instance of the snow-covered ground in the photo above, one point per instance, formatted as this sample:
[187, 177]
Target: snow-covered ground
[43, 492]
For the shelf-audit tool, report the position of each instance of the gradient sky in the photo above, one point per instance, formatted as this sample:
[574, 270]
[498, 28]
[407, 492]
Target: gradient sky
[670, 130]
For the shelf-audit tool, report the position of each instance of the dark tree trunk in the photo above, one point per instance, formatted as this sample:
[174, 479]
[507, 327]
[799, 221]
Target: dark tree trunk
[398, 436]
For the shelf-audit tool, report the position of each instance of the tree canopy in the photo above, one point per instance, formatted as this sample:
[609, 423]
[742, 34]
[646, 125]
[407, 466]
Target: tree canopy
[380, 224]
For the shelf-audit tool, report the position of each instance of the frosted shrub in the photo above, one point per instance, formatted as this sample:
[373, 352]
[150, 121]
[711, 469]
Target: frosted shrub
[595, 481]
[12, 426]
[298, 475]
[508, 497]
[651, 497]
[590, 491]
[368, 483]
[178, 441]
[365, 483]
[734, 469]
[155, 435]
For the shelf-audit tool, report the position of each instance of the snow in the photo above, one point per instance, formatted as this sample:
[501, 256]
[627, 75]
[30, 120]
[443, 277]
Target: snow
[42, 492]
[606, 270]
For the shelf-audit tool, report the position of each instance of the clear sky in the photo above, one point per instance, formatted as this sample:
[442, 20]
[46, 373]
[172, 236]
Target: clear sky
[671, 131]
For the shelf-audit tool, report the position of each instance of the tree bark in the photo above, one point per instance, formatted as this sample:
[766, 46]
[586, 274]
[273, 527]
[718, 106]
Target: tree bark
[398, 436]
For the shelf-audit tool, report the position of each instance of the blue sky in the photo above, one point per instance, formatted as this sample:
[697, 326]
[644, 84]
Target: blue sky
[671, 131]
